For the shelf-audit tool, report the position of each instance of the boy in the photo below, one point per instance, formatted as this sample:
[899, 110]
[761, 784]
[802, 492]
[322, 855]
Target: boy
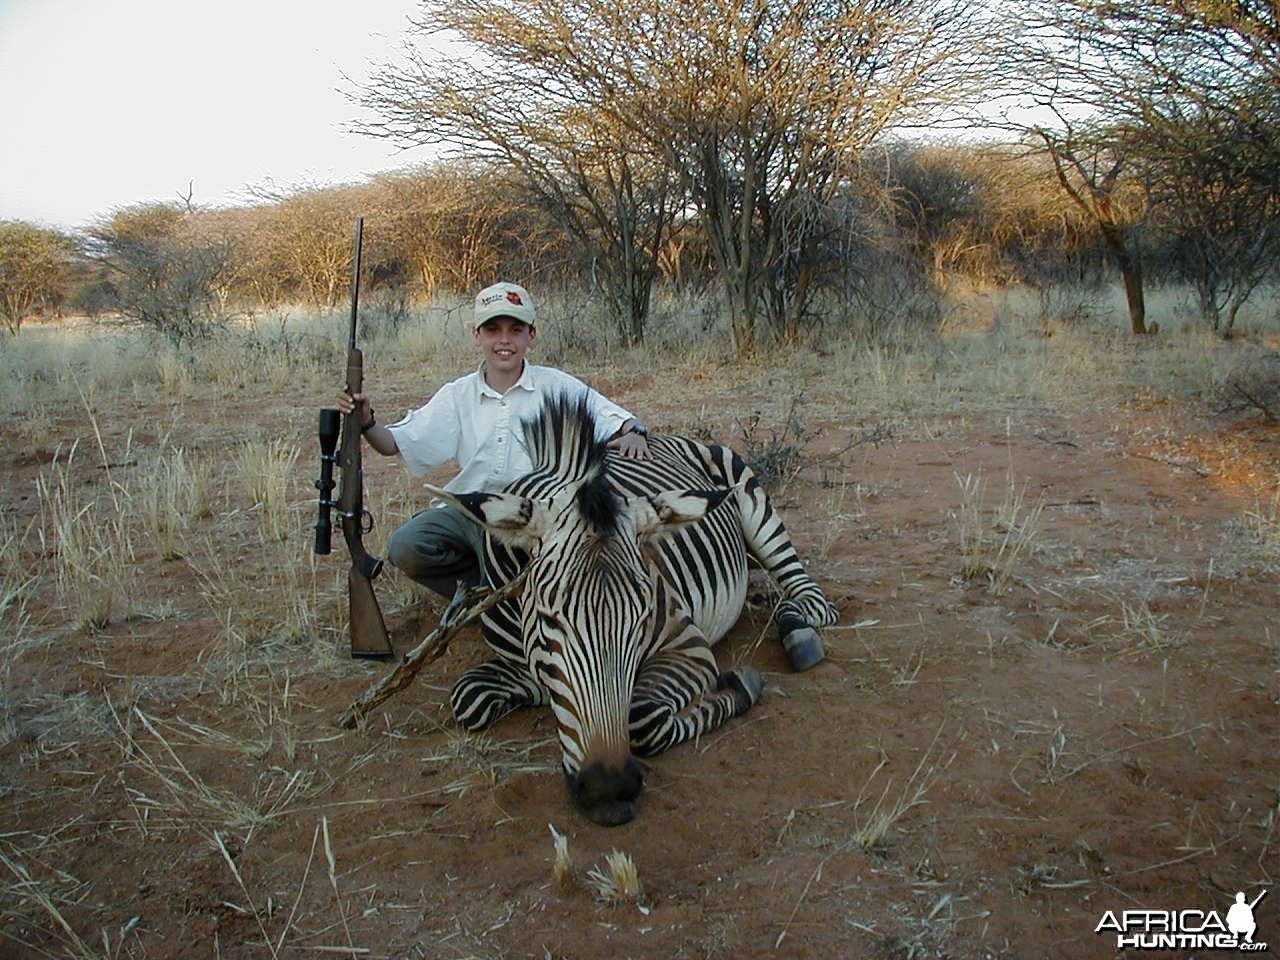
[475, 421]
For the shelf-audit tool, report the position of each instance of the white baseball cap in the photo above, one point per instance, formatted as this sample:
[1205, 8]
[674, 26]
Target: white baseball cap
[504, 300]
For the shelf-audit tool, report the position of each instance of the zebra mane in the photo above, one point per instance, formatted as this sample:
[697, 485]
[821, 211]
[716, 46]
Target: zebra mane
[563, 446]
[562, 438]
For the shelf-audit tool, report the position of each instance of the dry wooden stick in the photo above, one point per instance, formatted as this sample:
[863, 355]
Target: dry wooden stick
[429, 650]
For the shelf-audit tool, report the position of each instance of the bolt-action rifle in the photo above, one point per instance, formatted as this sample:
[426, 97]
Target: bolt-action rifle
[369, 638]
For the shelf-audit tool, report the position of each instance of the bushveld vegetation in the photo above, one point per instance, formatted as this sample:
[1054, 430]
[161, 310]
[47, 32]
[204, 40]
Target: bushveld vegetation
[760, 149]
[942, 217]
[159, 523]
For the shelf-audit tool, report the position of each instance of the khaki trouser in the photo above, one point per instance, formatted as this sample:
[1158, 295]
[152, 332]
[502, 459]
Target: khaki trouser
[439, 548]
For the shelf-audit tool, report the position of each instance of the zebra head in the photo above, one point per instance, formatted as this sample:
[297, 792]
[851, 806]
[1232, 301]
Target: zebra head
[593, 607]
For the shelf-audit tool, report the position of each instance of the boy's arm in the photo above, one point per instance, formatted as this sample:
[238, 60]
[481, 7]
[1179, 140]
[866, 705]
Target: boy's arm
[425, 438]
[631, 425]
[381, 439]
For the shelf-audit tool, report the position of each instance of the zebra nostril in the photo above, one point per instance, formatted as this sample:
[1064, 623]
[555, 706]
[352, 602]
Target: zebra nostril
[632, 780]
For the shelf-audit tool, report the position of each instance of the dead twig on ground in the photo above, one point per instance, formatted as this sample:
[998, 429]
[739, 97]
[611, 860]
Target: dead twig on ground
[1195, 468]
[1109, 754]
[428, 651]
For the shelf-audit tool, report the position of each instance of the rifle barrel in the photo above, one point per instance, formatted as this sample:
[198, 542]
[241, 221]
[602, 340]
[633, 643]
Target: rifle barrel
[355, 282]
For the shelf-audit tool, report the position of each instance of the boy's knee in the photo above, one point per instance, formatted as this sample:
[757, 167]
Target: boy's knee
[431, 556]
[401, 554]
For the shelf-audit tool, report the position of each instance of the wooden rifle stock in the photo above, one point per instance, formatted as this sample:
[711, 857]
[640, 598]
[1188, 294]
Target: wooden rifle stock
[369, 639]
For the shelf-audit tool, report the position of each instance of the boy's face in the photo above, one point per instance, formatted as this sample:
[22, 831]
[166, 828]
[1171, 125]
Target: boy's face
[504, 341]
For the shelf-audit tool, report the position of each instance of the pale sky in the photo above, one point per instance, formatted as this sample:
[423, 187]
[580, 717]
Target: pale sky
[107, 103]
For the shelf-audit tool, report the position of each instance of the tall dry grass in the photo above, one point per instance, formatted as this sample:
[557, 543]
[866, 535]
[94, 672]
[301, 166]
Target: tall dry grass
[171, 494]
[988, 349]
[991, 349]
[90, 542]
[991, 550]
[268, 469]
[16, 581]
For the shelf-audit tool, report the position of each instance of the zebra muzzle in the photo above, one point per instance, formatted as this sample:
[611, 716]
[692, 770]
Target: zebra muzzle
[607, 794]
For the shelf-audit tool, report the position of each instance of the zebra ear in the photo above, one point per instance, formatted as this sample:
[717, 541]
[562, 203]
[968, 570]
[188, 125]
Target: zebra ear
[517, 520]
[664, 512]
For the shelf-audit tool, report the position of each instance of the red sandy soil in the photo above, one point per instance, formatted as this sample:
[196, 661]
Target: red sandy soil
[1097, 735]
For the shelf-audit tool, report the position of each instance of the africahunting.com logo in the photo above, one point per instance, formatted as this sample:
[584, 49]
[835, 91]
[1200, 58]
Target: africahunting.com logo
[1185, 929]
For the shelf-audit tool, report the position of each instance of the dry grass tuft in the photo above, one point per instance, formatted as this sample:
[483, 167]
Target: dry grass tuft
[269, 471]
[476, 760]
[17, 582]
[993, 556]
[1142, 629]
[172, 492]
[183, 796]
[1259, 528]
[618, 881]
[562, 865]
[873, 827]
[92, 545]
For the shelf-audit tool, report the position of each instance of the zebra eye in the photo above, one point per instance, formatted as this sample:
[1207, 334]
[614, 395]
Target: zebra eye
[550, 621]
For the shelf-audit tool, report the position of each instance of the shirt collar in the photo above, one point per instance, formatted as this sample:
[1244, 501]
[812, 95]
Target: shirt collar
[526, 381]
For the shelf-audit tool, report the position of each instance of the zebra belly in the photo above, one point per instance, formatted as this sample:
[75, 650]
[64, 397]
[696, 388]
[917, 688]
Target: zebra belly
[706, 562]
[716, 615]
[706, 565]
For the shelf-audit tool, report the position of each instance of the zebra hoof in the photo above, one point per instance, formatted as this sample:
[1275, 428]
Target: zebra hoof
[804, 648]
[744, 681]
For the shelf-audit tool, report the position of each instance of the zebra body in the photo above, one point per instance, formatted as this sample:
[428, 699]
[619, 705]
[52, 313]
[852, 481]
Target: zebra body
[636, 569]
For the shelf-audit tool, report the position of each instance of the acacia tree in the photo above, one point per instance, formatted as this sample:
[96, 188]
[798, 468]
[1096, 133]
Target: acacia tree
[305, 240]
[1218, 202]
[1093, 170]
[161, 272]
[33, 267]
[766, 107]
[1163, 79]
[756, 108]
[504, 99]
[454, 225]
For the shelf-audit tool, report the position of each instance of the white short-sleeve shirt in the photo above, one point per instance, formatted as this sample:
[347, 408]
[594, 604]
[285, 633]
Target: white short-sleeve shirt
[469, 422]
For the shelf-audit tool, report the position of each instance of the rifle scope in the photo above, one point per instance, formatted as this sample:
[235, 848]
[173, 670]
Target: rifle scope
[330, 427]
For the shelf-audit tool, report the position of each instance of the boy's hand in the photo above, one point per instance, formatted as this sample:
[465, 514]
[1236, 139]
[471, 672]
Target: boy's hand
[348, 403]
[633, 446]
[378, 436]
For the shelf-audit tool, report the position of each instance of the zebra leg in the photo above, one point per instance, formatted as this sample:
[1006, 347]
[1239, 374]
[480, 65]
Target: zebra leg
[679, 694]
[490, 691]
[804, 608]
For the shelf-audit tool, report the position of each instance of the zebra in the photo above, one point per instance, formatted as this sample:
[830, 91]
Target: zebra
[636, 568]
